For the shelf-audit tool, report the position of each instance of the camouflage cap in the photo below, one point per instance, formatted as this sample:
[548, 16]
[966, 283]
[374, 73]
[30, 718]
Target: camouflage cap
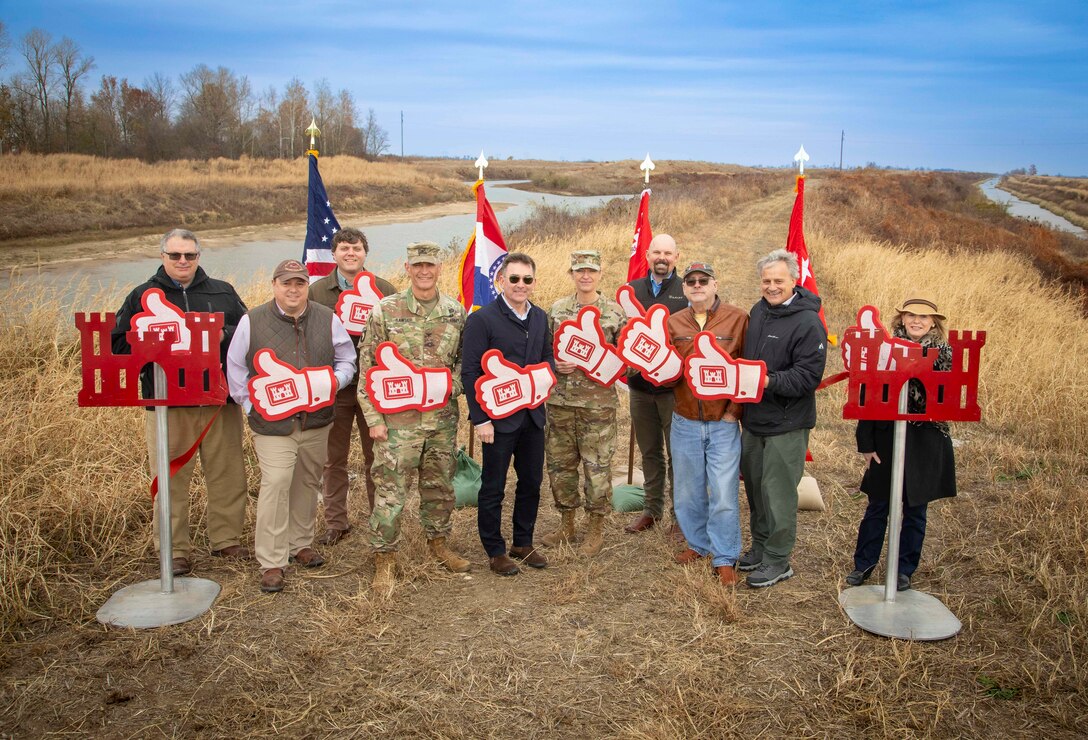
[290, 269]
[423, 252]
[704, 267]
[585, 259]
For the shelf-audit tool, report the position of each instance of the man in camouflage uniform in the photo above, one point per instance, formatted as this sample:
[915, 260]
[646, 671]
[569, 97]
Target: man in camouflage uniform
[582, 432]
[426, 327]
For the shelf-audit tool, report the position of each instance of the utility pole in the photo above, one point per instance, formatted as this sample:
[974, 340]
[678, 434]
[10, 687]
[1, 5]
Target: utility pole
[842, 138]
[402, 136]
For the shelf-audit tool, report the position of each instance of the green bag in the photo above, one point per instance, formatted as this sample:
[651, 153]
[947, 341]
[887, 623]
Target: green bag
[628, 498]
[466, 480]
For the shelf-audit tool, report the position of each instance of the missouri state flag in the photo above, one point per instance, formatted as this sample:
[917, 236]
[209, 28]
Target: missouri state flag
[795, 243]
[321, 225]
[482, 257]
[640, 242]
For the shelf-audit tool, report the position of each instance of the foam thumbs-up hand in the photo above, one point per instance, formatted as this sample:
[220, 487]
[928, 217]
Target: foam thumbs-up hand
[713, 375]
[625, 296]
[162, 318]
[580, 341]
[506, 388]
[354, 306]
[644, 345]
[279, 389]
[396, 384]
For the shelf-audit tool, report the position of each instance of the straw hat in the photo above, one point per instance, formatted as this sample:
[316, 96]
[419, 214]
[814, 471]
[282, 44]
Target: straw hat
[921, 306]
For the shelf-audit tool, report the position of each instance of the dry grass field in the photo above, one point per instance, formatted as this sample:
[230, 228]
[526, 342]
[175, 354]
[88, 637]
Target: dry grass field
[627, 644]
[1065, 196]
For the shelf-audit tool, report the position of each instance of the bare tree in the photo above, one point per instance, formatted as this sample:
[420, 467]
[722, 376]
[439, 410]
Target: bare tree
[292, 114]
[324, 111]
[39, 83]
[375, 138]
[344, 121]
[73, 65]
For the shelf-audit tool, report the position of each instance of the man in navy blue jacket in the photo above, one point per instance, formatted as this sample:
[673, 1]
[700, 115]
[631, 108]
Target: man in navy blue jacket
[519, 330]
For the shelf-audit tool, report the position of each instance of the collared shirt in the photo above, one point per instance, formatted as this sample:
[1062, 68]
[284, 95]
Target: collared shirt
[655, 285]
[522, 316]
[343, 282]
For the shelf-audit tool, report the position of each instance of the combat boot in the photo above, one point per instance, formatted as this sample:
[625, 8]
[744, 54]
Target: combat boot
[385, 577]
[565, 533]
[447, 557]
[594, 536]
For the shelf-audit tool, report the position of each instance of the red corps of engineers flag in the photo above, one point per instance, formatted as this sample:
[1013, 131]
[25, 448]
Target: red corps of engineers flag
[640, 242]
[795, 243]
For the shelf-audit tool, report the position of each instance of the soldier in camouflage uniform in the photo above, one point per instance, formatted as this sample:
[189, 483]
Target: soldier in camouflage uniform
[426, 327]
[582, 432]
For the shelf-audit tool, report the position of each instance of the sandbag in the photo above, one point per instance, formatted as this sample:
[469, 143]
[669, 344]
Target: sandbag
[628, 498]
[466, 480]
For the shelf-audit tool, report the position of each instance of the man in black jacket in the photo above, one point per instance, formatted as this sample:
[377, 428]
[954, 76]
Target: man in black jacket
[185, 285]
[786, 333]
[519, 330]
[651, 405]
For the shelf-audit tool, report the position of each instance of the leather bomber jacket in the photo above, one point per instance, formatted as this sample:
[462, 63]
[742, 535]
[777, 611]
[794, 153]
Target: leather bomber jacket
[729, 325]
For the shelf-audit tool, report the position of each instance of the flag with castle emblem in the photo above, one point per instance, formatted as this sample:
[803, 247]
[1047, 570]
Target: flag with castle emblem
[321, 225]
[795, 244]
[640, 242]
[483, 256]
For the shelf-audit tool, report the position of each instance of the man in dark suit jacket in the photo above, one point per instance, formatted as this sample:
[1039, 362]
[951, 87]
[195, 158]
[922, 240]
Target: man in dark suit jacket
[519, 330]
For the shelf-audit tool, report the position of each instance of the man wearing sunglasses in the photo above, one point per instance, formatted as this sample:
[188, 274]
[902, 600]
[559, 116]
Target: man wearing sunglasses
[519, 330]
[706, 434]
[185, 285]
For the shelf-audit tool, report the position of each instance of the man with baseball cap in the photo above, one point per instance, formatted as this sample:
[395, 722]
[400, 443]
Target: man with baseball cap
[425, 326]
[706, 434]
[291, 451]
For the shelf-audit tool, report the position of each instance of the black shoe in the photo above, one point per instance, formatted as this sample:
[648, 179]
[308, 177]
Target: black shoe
[750, 560]
[903, 584]
[858, 577]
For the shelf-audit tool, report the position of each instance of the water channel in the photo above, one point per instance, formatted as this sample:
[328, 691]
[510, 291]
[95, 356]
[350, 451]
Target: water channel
[238, 261]
[1023, 209]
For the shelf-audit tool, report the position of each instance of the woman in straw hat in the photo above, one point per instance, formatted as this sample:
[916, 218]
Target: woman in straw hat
[930, 467]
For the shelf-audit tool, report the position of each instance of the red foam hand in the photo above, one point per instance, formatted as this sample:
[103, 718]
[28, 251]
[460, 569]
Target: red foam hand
[354, 306]
[279, 390]
[893, 353]
[580, 341]
[644, 345]
[162, 318]
[713, 375]
[506, 388]
[631, 306]
[395, 384]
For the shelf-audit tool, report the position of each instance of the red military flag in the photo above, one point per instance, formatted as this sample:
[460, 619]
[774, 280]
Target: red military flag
[795, 243]
[637, 267]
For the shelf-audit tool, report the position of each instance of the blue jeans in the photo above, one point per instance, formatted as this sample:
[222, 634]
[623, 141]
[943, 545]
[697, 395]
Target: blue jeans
[873, 527]
[706, 486]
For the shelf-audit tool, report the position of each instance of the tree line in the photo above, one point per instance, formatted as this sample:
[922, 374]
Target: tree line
[49, 103]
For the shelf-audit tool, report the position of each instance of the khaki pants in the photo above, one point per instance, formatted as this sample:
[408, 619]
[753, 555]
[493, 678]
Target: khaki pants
[224, 473]
[287, 504]
[348, 415]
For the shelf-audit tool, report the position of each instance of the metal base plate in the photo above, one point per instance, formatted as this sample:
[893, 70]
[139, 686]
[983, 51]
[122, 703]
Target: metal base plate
[143, 604]
[913, 615]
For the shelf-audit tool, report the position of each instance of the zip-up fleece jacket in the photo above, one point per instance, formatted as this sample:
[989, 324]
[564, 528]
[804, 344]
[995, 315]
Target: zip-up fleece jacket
[729, 325]
[672, 298]
[792, 341]
[204, 294]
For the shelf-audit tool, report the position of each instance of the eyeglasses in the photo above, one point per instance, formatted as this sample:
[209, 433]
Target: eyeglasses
[515, 279]
[176, 256]
[692, 282]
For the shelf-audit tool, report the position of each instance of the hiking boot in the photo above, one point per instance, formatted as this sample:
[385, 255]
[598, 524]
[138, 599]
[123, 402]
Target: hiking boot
[385, 576]
[903, 583]
[727, 575]
[594, 536]
[565, 533]
[750, 560]
[858, 577]
[529, 556]
[443, 554]
[768, 574]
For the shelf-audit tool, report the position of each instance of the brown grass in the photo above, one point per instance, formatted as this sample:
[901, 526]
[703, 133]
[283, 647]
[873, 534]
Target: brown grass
[1065, 196]
[627, 644]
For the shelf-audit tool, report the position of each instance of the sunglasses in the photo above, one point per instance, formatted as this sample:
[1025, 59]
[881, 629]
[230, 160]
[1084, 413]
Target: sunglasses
[515, 279]
[692, 282]
[175, 256]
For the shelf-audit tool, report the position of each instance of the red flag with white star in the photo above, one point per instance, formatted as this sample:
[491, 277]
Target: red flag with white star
[640, 242]
[795, 243]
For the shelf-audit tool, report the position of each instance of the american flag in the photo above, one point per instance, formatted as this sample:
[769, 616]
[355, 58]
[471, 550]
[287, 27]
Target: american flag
[321, 224]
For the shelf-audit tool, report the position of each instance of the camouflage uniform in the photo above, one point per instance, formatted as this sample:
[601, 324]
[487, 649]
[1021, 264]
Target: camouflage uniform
[582, 420]
[423, 441]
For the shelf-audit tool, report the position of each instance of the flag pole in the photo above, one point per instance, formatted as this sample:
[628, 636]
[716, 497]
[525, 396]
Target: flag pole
[646, 166]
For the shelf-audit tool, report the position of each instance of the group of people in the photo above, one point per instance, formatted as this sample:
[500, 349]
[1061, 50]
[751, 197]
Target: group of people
[695, 447]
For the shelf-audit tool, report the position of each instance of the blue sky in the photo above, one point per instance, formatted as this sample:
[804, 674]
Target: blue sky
[985, 86]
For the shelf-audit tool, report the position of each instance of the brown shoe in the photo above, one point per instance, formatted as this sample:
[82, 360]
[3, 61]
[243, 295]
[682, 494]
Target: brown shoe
[181, 566]
[332, 536]
[727, 575]
[687, 557]
[502, 565]
[272, 580]
[530, 556]
[232, 552]
[643, 522]
[307, 557]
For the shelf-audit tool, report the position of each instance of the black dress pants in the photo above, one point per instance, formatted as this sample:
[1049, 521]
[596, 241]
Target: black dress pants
[526, 447]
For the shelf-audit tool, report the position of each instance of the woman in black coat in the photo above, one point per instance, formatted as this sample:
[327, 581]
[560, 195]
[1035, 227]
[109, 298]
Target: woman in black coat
[930, 467]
